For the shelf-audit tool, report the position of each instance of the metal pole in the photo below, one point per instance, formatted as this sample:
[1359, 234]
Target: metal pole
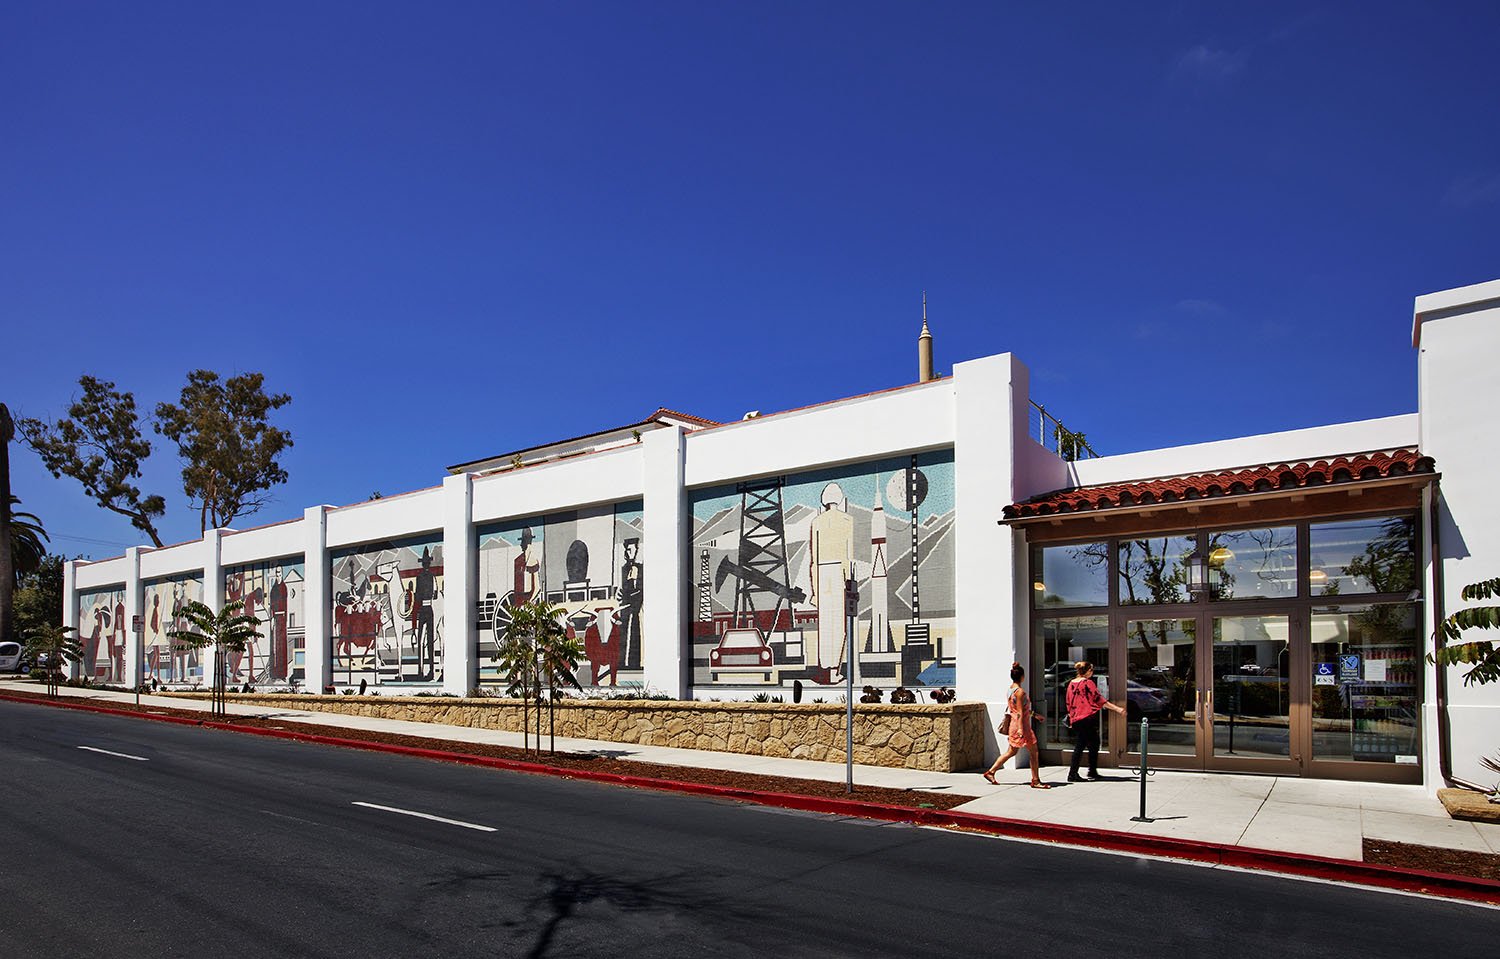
[851, 610]
[1145, 750]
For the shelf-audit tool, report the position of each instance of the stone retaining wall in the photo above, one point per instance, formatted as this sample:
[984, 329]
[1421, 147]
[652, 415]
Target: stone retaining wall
[945, 738]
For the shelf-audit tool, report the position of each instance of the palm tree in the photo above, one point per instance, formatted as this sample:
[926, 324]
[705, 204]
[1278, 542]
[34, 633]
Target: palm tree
[227, 631]
[7, 560]
[1481, 655]
[50, 647]
[28, 540]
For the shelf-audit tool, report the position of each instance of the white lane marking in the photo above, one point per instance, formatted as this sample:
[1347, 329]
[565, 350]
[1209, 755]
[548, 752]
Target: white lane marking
[93, 749]
[423, 815]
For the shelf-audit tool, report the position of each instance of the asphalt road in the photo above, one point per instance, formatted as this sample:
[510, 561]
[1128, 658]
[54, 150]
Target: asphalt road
[220, 844]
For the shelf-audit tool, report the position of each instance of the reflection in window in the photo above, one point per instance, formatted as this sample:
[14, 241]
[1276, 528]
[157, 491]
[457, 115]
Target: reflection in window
[1064, 641]
[1366, 665]
[1374, 555]
[1152, 570]
[1253, 563]
[1161, 685]
[1070, 575]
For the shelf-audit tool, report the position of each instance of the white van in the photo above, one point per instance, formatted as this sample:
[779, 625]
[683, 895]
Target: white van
[10, 658]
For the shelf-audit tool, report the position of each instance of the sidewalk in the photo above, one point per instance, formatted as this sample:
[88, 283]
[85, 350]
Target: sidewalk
[1306, 816]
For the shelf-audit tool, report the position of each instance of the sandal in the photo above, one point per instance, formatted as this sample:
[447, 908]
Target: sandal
[1041, 785]
[989, 777]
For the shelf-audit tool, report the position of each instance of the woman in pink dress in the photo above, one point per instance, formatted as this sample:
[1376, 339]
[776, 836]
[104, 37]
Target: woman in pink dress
[1020, 734]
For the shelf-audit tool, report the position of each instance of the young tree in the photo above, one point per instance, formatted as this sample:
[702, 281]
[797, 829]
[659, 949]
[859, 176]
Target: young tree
[100, 445]
[519, 659]
[1481, 655]
[558, 657]
[227, 631]
[228, 447]
[51, 648]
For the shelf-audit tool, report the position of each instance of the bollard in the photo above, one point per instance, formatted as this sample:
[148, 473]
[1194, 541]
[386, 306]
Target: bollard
[1145, 750]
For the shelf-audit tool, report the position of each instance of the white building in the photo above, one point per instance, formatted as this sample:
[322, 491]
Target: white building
[1266, 602]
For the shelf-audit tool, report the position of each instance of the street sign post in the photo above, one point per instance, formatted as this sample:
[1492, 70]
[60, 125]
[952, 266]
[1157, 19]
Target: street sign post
[851, 613]
[138, 627]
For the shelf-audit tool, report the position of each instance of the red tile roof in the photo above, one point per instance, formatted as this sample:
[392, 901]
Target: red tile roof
[1250, 479]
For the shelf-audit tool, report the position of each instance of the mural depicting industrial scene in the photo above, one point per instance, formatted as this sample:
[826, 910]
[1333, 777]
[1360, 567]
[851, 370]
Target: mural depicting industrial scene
[771, 558]
[586, 562]
[387, 612]
[103, 631]
[271, 592]
[168, 661]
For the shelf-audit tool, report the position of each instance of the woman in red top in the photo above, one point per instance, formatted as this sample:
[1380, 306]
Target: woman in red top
[1020, 735]
[1084, 703]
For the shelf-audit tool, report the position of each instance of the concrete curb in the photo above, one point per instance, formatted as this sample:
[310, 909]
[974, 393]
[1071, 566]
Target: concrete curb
[1241, 857]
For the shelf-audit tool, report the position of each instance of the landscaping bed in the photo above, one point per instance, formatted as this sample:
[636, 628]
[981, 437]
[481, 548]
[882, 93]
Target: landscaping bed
[1455, 862]
[910, 798]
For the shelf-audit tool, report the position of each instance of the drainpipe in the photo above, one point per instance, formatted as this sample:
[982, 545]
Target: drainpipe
[1439, 614]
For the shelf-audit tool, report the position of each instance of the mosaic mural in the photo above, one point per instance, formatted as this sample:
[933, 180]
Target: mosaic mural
[388, 612]
[103, 630]
[271, 591]
[167, 661]
[588, 562]
[771, 557]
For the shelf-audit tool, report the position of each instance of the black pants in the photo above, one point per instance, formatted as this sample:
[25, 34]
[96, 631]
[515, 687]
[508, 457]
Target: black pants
[1086, 736]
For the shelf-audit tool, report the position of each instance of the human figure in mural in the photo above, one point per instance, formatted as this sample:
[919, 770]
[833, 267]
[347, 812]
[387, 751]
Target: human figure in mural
[179, 653]
[831, 557]
[526, 570]
[154, 658]
[117, 641]
[632, 594]
[253, 599]
[422, 599]
[91, 645]
[601, 647]
[278, 627]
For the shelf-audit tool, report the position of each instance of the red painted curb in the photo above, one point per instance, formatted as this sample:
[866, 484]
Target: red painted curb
[1265, 860]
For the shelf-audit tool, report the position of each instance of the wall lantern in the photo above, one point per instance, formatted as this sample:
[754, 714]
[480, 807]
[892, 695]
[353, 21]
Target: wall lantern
[1197, 572]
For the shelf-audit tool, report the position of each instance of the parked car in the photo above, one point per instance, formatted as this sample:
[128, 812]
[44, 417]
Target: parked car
[13, 658]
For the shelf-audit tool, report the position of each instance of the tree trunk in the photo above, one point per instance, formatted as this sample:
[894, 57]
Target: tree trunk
[7, 559]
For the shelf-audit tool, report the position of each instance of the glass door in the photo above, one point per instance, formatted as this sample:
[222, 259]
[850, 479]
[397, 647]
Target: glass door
[1218, 692]
[1252, 703]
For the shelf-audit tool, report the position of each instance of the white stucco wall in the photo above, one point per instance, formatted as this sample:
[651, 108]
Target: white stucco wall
[1458, 393]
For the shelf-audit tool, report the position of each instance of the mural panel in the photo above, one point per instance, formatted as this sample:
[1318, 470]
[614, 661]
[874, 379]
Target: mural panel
[272, 591]
[588, 562]
[388, 612]
[166, 660]
[771, 558]
[103, 631]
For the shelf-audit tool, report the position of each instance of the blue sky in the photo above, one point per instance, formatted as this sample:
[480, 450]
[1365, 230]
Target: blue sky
[450, 230]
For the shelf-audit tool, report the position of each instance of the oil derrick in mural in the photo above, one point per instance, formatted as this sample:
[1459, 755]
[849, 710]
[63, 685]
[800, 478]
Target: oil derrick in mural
[763, 594]
[907, 490]
[704, 624]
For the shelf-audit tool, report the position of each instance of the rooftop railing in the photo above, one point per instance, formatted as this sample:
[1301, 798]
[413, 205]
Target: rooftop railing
[1049, 431]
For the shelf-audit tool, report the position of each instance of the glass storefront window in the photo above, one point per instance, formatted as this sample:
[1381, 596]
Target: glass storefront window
[1063, 576]
[1373, 555]
[1366, 663]
[1152, 571]
[1064, 641]
[1161, 684]
[1253, 563]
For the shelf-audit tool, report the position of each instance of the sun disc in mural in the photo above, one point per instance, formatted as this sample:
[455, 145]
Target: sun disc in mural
[272, 592]
[387, 612]
[166, 659]
[587, 562]
[772, 558]
[103, 632]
